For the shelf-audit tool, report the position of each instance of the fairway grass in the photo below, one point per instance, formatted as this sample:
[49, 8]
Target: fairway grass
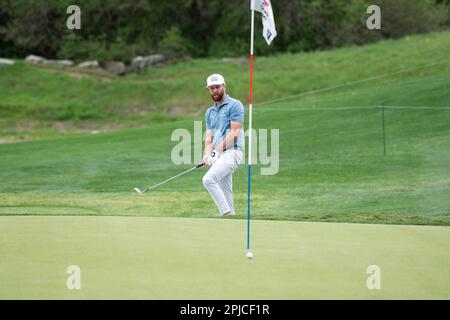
[340, 156]
[188, 258]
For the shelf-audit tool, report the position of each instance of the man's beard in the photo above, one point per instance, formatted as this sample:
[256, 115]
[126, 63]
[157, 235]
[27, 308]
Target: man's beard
[218, 97]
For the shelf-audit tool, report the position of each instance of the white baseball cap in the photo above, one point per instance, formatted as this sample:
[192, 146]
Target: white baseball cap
[215, 79]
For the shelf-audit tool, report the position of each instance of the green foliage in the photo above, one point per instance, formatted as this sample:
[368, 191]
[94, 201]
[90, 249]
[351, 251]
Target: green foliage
[404, 17]
[119, 30]
[75, 48]
[6, 49]
[173, 45]
[230, 35]
[35, 26]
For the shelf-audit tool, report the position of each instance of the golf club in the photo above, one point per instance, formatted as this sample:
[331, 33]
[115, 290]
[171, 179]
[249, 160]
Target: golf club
[167, 180]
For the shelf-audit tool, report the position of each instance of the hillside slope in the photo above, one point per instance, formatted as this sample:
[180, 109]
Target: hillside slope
[52, 93]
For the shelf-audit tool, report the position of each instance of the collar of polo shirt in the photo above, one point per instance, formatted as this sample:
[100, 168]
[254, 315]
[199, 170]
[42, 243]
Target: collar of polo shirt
[224, 102]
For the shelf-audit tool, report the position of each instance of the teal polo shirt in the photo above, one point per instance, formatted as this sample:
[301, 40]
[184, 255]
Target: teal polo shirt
[219, 121]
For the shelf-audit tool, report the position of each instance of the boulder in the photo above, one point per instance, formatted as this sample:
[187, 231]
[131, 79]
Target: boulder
[6, 61]
[66, 63]
[116, 67]
[89, 64]
[32, 59]
[138, 62]
[152, 60]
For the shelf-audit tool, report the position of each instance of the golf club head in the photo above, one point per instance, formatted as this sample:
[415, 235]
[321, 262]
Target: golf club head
[138, 190]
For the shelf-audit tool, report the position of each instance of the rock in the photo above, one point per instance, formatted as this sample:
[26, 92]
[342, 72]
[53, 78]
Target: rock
[239, 60]
[32, 59]
[89, 64]
[155, 59]
[6, 61]
[116, 67]
[152, 60]
[66, 63]
[137, 63]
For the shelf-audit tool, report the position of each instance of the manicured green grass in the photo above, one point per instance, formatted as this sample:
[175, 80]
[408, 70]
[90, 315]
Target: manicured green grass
[184, 258]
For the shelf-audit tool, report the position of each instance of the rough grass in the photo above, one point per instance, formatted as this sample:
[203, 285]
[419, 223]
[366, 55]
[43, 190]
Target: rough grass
[47, 93]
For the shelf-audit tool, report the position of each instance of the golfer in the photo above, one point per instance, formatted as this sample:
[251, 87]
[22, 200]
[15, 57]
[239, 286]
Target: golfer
[224, 144]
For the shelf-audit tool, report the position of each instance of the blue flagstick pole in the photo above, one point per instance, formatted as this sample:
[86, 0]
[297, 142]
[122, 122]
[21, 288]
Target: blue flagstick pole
[248, 206]
[249, 167]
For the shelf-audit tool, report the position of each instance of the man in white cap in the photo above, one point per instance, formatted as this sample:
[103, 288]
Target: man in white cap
[224, 144]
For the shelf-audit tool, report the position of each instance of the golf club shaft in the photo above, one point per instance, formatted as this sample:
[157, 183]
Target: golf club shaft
[167, 180]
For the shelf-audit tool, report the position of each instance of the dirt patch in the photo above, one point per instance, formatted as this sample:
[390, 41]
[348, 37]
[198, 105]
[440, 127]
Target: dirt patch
[78, 73]
[13, 139]
[38, 130]
[90, 126]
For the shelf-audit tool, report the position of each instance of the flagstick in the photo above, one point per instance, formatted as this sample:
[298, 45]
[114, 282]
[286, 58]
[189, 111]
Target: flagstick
[250, 130]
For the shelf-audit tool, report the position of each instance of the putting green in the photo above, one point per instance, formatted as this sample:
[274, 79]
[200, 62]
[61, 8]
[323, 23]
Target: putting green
[185, 258]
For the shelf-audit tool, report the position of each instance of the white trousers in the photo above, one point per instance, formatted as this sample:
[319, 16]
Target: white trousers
[219, 181]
